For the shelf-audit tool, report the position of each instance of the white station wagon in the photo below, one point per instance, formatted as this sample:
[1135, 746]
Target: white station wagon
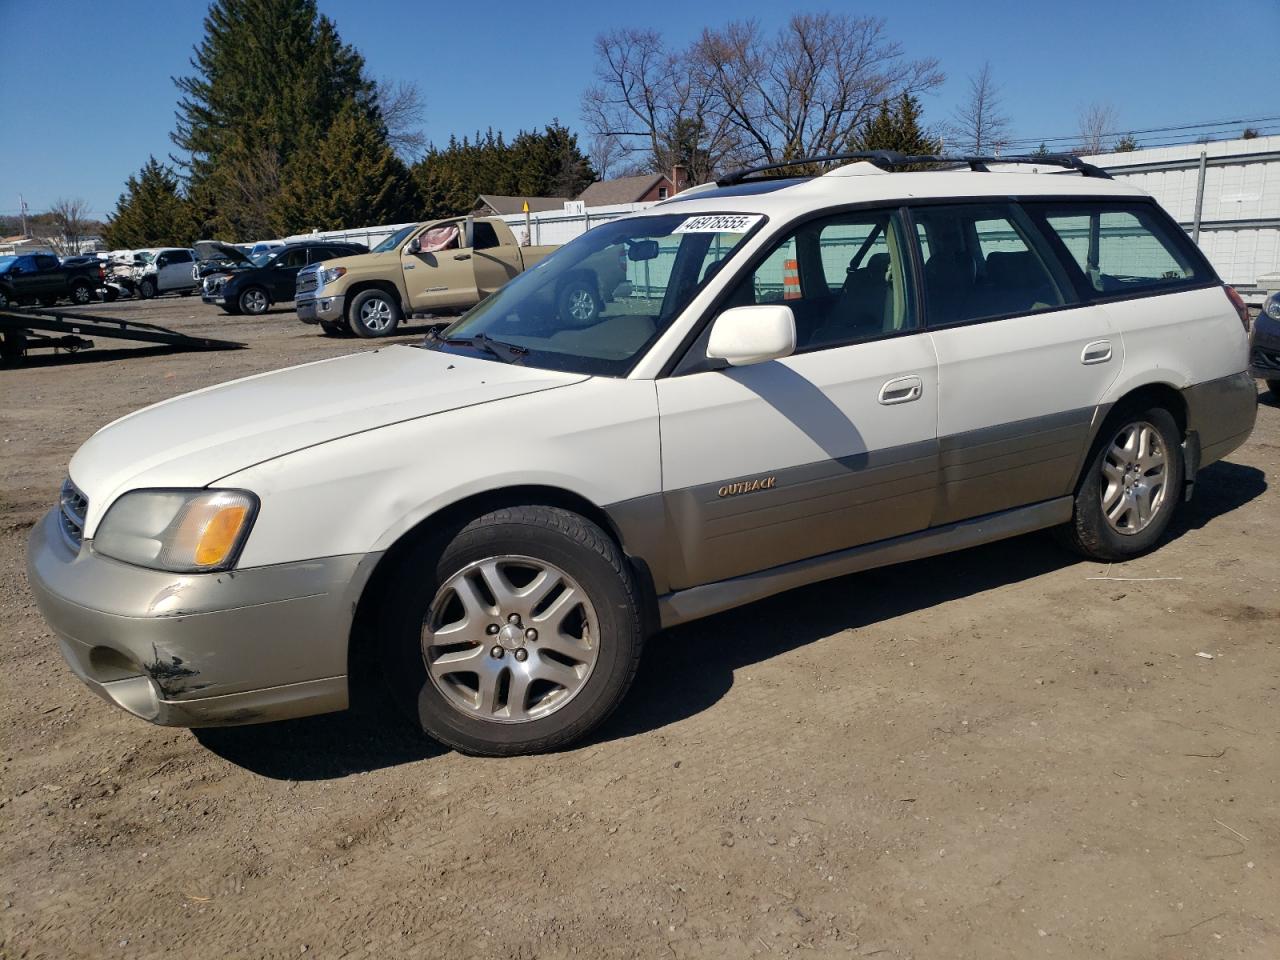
[811, 376]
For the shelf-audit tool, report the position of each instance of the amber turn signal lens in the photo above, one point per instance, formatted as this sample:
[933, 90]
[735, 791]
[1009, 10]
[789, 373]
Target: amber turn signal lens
[219, 536]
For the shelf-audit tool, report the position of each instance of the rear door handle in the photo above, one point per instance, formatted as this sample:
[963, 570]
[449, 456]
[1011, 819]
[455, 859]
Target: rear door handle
[1097, 352]
[901, 390]
[462, 256]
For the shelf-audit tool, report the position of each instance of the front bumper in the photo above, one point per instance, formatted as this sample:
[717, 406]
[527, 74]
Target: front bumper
[214, 298]
[189, 650]
[1264, 349]
[320, 310]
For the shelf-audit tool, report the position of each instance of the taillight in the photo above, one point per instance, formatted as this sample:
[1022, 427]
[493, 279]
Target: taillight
[1242, 308]
[102, 274]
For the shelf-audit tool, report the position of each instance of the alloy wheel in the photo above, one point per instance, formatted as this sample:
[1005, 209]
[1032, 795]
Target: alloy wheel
[510, 639]
[375, 314]
[255, 301]
[1135, 475]
[582, 306]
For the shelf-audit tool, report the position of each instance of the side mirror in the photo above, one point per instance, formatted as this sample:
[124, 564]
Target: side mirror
[414, 246]
[746, 335]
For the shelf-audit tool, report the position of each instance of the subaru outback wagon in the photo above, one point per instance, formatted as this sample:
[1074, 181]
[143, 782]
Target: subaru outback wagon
[810, 376]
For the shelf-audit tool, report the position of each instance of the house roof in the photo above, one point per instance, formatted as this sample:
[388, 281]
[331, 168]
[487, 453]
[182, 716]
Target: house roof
[602, 193]
[505, 205]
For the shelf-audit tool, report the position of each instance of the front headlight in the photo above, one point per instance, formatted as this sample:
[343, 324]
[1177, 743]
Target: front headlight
[1272, 307]
[183, 531]
[332, 273]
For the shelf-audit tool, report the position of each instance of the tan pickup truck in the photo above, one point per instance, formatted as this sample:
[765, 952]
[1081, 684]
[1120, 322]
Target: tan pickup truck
[439, 267]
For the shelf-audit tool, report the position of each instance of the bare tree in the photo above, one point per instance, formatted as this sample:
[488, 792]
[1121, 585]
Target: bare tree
[646, 100]
[401, 106]
[979, 126]
[808, 89]
[1097, 122]
[604, 152]
[69, 216]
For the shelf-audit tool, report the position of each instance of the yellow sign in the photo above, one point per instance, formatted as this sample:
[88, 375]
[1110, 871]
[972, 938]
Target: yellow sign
[524, 208]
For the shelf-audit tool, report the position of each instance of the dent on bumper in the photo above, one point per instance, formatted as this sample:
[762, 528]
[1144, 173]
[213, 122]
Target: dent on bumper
[242, 646]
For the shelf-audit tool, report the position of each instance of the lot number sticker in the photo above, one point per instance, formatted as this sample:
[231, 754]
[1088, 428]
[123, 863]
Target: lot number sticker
[720, 223]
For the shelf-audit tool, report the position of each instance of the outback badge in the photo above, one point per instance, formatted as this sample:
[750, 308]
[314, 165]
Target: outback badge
[747, 486]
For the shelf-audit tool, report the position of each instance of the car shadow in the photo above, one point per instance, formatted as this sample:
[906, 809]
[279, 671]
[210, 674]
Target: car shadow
[688, 669]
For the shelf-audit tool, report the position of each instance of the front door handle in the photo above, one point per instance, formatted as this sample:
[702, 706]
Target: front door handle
[462, 256]
[901, 390]
[1097, 352]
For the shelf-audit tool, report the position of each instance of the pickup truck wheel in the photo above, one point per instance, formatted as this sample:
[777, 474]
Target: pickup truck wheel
[1132, 486]
[374, 313]
[578, 303]
[146, 288]
[81, 293]
[519, 634]
[254, 301]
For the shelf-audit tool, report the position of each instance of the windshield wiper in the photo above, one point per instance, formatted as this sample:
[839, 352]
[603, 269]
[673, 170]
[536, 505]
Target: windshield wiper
[506, 352]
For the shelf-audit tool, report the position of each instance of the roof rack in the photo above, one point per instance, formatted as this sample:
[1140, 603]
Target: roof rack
[893, 160]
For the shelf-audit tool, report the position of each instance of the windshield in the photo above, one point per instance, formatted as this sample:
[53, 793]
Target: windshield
[263, 258]
[144, 257]
[6, 263]
[598, 303]
[394, 240]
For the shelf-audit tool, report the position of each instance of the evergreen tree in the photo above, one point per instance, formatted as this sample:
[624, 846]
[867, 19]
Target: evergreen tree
[1126, 144]
[896, 126]
[151, 212]
[1042, 150]
[271, 77]
[352, 178]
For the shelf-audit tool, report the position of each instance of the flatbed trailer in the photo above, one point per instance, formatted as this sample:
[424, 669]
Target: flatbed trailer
[22, 330]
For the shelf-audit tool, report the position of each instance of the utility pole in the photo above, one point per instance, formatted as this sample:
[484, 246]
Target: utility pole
[22, 211]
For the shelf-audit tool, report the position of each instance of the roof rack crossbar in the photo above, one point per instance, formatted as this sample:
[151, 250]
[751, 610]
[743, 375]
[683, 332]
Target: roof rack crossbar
[894, 160]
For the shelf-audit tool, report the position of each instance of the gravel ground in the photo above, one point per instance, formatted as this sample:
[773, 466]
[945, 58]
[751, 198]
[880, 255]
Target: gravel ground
[982, 755]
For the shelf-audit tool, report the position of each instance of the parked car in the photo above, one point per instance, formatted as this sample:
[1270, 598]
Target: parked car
[818, 376]
[1264, 345]
[164, 270]
[444, 266]
[43, 278]
[265, 248]
[251, 285]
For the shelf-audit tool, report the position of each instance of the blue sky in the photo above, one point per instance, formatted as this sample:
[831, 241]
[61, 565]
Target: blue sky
[89, 93]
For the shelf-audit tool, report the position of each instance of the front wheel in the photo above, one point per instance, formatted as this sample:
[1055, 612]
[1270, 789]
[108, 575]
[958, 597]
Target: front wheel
[1131, 487]
[517, 635]
[374, 313]
[254, 301]
[578, 304]
[146, 288]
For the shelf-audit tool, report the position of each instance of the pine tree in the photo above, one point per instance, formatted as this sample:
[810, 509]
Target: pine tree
[151, 212]
[352, 178]
[271, 77]
[896, 126]
[1126, 144]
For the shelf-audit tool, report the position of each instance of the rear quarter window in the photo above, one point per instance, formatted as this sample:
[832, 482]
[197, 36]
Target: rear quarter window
[1122, 248]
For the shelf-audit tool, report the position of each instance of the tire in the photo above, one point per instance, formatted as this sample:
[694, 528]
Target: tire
[592, 668]
[333, 329]
[374, 313]
[81, 293]
[1111, 472]
[254, 301]
[578, 303]
[146, 288]
[1274, 387]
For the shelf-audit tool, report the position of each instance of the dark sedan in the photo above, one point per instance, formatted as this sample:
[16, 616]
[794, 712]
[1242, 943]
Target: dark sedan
[249, 286]
[1264, 345]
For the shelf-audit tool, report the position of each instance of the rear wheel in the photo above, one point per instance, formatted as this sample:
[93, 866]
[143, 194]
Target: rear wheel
[1131, 487]
[517, 635]
[81, 293]
[578, 303]
[374, 313]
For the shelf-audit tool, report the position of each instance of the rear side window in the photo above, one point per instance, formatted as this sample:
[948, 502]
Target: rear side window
[1124, 247]
[984, 261]
[483, 237]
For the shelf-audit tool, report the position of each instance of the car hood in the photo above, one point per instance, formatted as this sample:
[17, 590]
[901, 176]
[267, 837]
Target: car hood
[217, 250]
[195, 439]
[364, 260]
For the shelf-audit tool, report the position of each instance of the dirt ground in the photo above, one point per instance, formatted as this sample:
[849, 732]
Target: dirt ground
[986, 755]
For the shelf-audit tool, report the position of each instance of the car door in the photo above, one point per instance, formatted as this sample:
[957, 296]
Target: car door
[173, 270]
[829, 448]
[495, 263]
[1022, 363]
[441, 274]
[50, 277]
[25, 275]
